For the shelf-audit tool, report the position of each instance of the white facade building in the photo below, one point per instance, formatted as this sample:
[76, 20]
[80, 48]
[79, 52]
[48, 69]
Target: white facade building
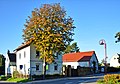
[114, 61]
[28, 62]
[10, 63]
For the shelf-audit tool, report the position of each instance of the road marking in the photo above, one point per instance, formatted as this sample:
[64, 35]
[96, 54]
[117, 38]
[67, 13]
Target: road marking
[68, 82]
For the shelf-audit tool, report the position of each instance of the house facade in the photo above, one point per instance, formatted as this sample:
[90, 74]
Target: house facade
[114, 61]
[82, 59]
[28, 62]
[10, 63]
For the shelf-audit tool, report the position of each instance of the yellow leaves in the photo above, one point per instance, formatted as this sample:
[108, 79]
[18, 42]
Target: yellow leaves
[48, 27]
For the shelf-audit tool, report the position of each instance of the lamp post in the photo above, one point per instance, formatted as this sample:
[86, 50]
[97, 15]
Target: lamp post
[103, 42]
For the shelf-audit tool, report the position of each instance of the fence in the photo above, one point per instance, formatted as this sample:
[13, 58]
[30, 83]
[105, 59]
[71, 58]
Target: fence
[80, 71]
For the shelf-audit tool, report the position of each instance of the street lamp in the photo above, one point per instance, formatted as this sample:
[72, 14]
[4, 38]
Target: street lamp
[102, 42]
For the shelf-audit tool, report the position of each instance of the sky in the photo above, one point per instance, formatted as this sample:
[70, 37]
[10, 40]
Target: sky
[94, 20]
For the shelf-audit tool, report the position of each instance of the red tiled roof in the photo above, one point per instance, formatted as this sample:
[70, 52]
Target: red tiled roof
[23, 45]
[79, 56]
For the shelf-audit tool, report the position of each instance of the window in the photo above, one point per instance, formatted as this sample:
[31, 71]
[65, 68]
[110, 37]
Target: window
[37, 67]
[55, 66]
[24, 54]
[19, 55]
[56, 55]
[37, 53]
[21, 66]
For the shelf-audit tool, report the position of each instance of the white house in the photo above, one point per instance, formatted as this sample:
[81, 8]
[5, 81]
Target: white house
[10, 63]
[83, 59]
[114, 60]
[28, 62]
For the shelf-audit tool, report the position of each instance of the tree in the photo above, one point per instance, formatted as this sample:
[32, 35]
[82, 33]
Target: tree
[72, 48]
[118, 37]
[50, 30]
[118, 40]
[118, 58]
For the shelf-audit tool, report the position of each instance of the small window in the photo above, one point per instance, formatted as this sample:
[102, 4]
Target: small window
[19, 55]
[55, 66]
[24, 54]
[114, 58]
[37, 53]
[37, 67]
[56, 55]
[21, 66]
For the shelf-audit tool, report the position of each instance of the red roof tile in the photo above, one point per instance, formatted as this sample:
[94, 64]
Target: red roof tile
[23, 45]
[79, 56]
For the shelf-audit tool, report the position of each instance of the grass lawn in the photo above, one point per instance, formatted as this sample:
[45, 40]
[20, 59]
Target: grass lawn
[100, 81]
[17, 80]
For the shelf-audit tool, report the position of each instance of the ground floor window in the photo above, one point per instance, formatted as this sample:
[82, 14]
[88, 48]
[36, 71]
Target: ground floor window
[55, 66]
[21, 66]
[37, 67]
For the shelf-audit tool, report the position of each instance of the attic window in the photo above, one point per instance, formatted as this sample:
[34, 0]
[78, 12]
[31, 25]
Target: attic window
[24, 54]
[19, 55]
[56, 55]
[114, 58]
[37, 53]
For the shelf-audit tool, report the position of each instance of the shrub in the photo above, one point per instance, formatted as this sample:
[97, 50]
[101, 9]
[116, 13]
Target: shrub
[100, 81]
[112, 78]
[15, 74]
[3, 77]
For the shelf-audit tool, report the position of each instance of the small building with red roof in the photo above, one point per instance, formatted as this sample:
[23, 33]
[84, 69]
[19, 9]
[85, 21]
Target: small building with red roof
[83, 59]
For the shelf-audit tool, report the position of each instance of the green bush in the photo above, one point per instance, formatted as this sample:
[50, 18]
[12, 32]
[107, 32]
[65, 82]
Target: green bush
[3, 78]
[100, 81]
[15, 74]
[112, 79]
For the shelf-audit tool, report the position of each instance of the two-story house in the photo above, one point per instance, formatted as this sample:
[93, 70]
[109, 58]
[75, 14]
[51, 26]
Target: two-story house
[28, 62]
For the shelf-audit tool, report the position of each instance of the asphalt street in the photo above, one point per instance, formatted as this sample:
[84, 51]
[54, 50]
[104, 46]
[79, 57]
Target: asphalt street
[68, 80]
[71, 80]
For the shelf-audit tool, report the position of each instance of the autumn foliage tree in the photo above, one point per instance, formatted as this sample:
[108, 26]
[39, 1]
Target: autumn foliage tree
[49, 29]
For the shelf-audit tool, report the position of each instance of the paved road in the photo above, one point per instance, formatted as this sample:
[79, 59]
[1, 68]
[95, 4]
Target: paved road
[4, 82]
[71, 80]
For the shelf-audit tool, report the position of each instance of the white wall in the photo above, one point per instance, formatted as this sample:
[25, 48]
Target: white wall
[84, 64]
[34, 61]
[93, 58]
[114, 61]
[7, 62]
[25, 61]
[73, 64]
[30, 61]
